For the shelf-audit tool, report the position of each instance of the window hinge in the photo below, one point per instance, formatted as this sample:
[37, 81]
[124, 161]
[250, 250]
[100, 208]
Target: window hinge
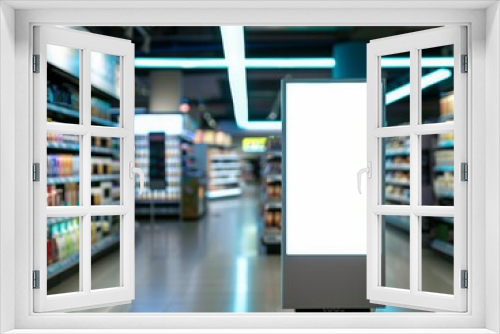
[36, 172]
[36, 279]
[464, 171]
[465, 64]
[465, 279]
[36, 63]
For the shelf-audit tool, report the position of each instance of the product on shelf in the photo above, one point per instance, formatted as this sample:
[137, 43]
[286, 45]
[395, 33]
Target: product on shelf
[63, 239]
[447, 104]
[274, 144]
[397, 173]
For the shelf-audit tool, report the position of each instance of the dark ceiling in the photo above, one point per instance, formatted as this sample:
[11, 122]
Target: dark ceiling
[211, 87]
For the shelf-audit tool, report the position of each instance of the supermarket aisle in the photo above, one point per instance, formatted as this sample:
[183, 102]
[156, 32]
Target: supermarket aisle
[215, 265]
[218, 264]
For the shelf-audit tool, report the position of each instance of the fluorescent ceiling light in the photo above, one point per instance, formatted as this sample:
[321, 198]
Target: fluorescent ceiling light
[276, 63]
[426, 81]
[427, 62]
[233, 41]
[220, 63]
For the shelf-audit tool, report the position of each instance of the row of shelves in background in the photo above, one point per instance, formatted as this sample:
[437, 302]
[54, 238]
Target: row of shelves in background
[224, 172]
[271, 195]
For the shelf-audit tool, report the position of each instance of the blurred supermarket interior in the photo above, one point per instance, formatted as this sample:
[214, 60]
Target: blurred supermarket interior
[208, 225]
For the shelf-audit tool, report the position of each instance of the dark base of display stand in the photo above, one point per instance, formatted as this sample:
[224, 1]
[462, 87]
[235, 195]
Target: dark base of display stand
[273, 249]
[335, 310]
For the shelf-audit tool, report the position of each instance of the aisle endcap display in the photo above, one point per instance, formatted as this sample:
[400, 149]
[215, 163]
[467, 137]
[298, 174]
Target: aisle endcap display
[224, 165]
[272, 192]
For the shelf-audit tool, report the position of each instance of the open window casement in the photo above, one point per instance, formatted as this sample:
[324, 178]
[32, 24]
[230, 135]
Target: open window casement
[79, 146]
[407, 103]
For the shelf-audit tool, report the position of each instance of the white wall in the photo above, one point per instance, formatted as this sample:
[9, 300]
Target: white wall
[7, 160]
[492, 163]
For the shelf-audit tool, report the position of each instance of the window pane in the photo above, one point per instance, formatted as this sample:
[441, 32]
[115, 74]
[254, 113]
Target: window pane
[105, 98]
[63, 169]
[396, 170]
[395, 252]
[438, 169]
[63, 255]
[396, 90]
[437, 84]
[105, 162]
[437, 254]
[105, 239]
[63, 84]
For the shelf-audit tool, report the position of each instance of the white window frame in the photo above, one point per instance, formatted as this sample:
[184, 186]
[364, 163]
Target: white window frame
[414, 43]
[85, 43]
[484, 102]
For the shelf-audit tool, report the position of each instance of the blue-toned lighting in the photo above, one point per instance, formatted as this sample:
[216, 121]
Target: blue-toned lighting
[240, 303]
[276, 63]
[233, 42]
[426, 81]
[220, 63]
[427, 62]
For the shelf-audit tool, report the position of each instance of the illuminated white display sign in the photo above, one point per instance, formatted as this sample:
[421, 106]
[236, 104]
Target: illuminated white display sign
[325, 147]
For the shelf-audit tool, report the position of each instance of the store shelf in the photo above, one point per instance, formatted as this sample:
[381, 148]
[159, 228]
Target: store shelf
[274, 154]
[447, 220]
[71, 261]
[76, 114]
[446, 144]
[402, 223]
[223, 181]
[157, 201]
[273, 205]
[397, 182]
[234, 172]
[73, 179]
[445, 194]
[397, 167]
[105, 150]
[442, 246]
[76, 147]
[219, 193]
[74, 79]
[397, 151]
[397, 199]
[157, 211]
[444, 168]
[271, 236]
[225, 165]
[274, 178]
[57, 220]
[63, 146]
[447, 117]
[224, 157]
